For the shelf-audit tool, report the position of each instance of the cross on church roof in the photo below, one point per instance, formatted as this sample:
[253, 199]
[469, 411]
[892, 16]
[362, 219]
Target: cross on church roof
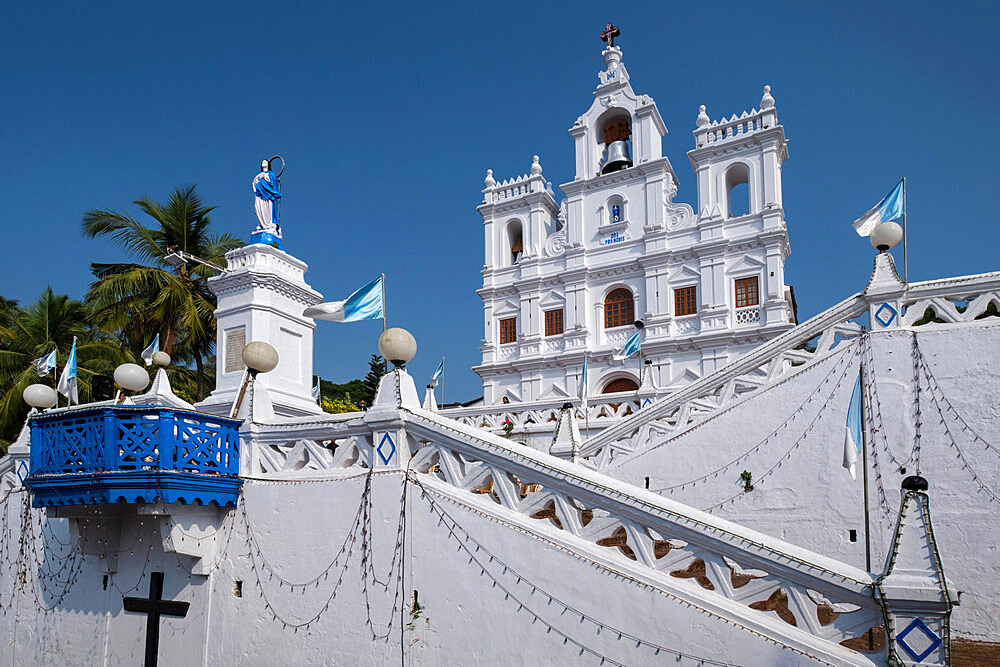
[155, 606]
[609, 34]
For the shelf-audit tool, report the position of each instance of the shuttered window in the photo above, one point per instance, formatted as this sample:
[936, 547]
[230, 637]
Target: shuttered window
[685, 302]
[508, 330]
[553, 322]
[619, 309]
[746, 292]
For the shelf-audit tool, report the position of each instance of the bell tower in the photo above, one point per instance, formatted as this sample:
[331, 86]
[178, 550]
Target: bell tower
[747, 150]
[575, 279]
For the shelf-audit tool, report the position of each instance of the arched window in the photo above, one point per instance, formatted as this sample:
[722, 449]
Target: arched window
[737, 190]
[621, 384]
[619, 309]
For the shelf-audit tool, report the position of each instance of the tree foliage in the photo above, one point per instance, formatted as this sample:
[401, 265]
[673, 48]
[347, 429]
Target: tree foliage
[30, 332]
[135, 301]
[376, 369]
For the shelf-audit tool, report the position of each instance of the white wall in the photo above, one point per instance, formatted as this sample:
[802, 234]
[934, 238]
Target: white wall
[812, 501]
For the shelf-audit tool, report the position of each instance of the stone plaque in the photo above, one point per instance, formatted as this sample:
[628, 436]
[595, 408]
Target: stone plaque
[236, 340]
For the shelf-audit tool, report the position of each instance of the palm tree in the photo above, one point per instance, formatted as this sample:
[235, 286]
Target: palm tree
[138, 300]
[31, 332]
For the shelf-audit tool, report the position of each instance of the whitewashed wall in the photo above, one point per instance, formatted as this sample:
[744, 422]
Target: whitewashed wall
[810, 500]
[300, 527]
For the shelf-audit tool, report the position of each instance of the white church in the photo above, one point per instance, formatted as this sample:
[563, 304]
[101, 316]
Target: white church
[564, 280]
[694, 511]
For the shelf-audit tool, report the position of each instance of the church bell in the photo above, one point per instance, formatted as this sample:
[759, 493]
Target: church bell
[616, 136]
[618, 157]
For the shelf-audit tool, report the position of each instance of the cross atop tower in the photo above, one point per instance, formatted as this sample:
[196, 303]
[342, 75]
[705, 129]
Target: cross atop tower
[609, 34]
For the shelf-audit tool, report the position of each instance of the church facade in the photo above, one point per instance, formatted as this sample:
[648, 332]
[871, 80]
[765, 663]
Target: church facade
[574, 279]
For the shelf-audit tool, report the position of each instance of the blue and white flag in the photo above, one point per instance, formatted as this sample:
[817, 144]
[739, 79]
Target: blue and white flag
[364, 304]
[154, 347]
[852, 439]
[43, 365]
[438, 373]
[632, 345]
[890, 208]
[317, 392]
[583, 383]
[67, 381]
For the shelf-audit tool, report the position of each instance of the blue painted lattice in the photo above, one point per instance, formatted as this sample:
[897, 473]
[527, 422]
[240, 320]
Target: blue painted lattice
[127, 454]
[929, 635]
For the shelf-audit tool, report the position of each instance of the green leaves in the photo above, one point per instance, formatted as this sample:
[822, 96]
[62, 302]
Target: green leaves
[133, 302]
[27, 333]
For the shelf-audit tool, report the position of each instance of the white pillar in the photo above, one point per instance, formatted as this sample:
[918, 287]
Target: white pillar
[261, 298]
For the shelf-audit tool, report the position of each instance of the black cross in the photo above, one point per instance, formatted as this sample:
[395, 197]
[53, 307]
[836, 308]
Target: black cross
[154, 607]
[609, 34]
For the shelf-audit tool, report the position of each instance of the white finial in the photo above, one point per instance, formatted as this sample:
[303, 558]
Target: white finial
[536, 168]
[767, 101]
[490, 181]
[703, 118]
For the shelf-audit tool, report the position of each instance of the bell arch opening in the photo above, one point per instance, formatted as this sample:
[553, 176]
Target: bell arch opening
[615, 133]
[737, 190]
[513, 243]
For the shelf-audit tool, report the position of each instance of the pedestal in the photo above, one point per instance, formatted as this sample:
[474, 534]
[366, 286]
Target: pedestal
[261, 298]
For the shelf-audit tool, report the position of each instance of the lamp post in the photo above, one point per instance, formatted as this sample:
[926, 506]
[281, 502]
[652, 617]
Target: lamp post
[132, 377]
[40, 396]
[259, 357]
[886, 236]
[398, 346]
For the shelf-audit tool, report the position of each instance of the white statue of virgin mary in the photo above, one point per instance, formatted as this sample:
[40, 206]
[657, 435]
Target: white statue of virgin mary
[266, 196]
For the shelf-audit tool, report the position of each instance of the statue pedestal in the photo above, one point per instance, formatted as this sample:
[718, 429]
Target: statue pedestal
[266, 238]
[261, 298]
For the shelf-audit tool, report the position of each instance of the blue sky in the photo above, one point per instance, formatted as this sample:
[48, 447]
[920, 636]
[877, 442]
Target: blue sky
[389, 116]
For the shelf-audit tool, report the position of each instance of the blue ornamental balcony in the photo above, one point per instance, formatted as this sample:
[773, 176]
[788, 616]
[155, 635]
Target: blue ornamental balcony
[124, 454]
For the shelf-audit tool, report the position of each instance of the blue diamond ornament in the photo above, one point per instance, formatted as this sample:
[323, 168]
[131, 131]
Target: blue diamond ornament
[391, 448]
[885, 314]
[917, 624]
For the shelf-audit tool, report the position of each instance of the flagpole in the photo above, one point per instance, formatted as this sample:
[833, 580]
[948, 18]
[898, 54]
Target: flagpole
[442, 379]
[586, 398]
[383, 303]
[864, 468]
[905, 263]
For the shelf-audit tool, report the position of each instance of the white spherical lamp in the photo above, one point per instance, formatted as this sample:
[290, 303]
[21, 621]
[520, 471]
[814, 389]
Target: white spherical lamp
[886, 235]
[397, 345]
[161, 359]
[132, 377]
[39, 396]
[260, 357]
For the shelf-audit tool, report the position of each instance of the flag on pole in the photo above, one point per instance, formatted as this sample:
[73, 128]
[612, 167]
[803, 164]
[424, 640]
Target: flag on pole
[583, 383]
[45, 364]
[852, 438]
[890, 208]
[154, 347]
[632, 345]
[364, 304]
[316, 390]
[67, 381]
[438, 373]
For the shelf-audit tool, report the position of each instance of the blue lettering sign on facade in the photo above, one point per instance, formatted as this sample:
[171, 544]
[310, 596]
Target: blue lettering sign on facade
[613, 238]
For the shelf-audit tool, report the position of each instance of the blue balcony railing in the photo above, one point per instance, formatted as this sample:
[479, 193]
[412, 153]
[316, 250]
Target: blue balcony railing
[123, 454]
